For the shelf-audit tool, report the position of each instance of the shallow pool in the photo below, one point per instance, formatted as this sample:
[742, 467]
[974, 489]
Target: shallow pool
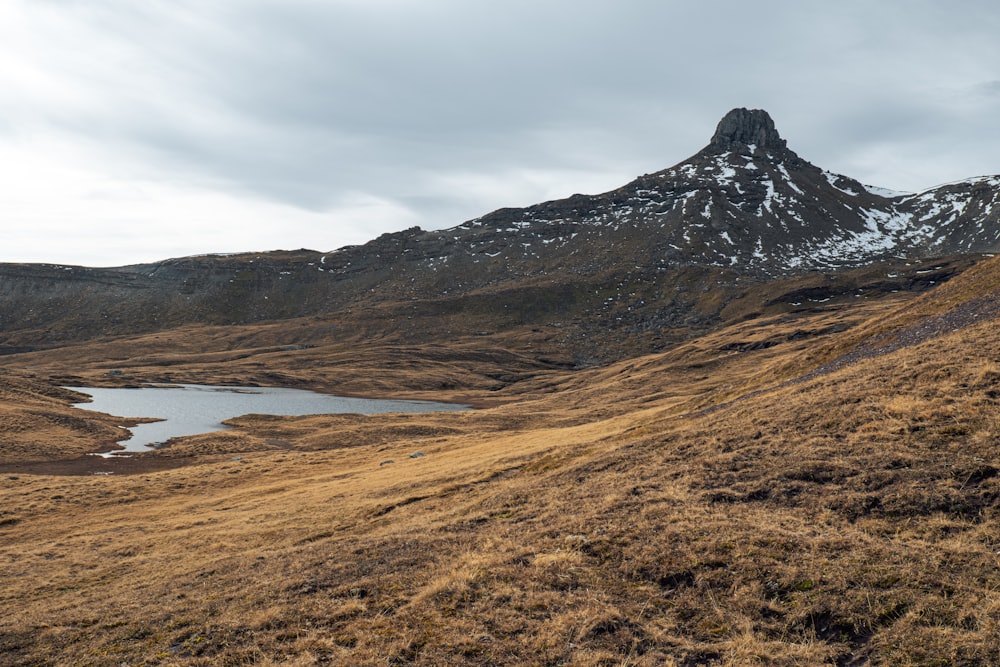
[190, 409]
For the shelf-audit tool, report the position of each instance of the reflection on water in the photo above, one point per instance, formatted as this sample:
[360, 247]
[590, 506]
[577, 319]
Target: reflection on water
[191, 409]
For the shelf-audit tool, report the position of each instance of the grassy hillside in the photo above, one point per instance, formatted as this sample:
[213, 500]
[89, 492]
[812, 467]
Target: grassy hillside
[805, 486]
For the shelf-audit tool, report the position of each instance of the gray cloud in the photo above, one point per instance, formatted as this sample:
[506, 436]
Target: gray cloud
[446, 109]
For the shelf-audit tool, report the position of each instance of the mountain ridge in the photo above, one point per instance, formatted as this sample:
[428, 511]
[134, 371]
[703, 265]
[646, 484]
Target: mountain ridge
[666, 250]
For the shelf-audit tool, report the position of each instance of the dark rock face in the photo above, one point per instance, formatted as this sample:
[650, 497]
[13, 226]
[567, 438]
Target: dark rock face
[743, 127]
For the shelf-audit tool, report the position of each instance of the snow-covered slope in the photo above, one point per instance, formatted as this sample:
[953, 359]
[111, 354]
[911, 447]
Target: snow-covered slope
[747, 202]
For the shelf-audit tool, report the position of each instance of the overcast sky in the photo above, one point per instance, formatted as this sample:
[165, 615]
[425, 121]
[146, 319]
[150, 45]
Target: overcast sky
[136, 131]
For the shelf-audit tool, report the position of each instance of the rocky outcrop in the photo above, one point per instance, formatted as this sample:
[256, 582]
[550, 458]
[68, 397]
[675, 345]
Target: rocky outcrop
[746, 127]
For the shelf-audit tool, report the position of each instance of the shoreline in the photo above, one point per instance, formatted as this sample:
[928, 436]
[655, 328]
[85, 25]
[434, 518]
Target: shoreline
[96, 465]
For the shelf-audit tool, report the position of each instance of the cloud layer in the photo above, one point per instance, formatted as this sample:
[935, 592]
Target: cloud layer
[138, 131]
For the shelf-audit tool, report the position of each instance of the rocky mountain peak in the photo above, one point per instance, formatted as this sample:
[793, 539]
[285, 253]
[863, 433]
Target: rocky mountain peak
[743, 127]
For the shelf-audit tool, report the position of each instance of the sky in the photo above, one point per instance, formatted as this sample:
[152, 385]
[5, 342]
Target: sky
[132, 132]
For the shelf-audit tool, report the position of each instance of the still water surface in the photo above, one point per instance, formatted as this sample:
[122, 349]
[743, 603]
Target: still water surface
[191, 409]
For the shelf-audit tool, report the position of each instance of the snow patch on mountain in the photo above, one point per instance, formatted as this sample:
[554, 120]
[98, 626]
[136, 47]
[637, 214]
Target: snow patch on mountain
[835, 180]
[885, 193]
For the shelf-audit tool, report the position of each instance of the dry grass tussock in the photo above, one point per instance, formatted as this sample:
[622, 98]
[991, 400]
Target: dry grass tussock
[691, 508]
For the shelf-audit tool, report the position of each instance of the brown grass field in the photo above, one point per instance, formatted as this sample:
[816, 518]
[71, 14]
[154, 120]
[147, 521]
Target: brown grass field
[829, 498]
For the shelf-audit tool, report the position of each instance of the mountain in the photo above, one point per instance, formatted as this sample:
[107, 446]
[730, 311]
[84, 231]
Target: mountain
[670, 249]
[745, 202]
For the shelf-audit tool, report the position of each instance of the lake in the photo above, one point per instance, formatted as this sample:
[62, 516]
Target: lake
[190, 409]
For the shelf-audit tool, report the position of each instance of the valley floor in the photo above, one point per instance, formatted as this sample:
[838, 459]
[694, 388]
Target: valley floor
[815, 487]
